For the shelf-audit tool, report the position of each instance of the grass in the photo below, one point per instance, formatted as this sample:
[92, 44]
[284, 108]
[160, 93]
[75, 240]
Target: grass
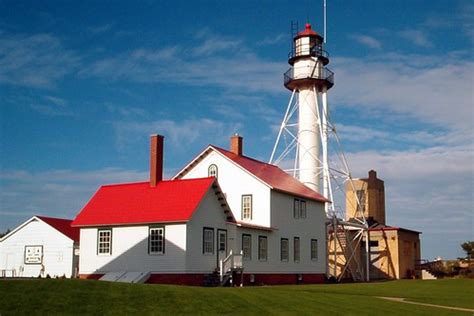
[47, 296]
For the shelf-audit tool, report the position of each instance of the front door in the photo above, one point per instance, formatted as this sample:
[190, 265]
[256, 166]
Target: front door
[221, 244]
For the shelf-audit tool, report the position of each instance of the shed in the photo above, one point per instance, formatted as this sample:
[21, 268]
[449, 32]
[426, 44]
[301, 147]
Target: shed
[41, 246]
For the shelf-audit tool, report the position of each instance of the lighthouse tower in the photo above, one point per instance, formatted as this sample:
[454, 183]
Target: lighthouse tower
[306, 131]
[310, 80]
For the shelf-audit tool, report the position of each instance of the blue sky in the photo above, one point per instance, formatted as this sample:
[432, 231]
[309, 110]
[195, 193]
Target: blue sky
[83, 85]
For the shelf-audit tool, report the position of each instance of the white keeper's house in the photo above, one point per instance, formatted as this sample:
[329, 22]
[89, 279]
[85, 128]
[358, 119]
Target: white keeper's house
[224, 214]
[41, 246]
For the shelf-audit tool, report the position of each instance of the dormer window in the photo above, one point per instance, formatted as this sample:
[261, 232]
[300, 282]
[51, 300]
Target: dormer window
[212, 171]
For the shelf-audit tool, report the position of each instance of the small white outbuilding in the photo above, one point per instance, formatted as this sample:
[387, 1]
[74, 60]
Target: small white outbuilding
[41, 246]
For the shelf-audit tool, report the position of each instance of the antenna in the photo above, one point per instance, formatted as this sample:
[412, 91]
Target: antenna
[325, 17]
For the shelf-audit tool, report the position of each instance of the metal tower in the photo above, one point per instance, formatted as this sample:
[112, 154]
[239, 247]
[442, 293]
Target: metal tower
[304, 147]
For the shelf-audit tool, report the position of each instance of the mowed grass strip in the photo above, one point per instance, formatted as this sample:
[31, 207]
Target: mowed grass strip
[46, 296]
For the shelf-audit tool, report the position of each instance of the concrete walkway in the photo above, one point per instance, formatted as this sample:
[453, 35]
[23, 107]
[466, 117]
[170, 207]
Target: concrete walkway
[402, 300]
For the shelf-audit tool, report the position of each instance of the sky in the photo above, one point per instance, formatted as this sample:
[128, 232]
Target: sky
[83, 84]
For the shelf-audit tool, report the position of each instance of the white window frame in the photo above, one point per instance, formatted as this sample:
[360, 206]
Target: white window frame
[247, 246]
[262, 248]
[212, 171]
[208, 241]
[284, 249]
[302, 209]
[104, 242]
[296, 249]
[222, 240]
[160, 241]
[247, 201]
[314, 249]
[296, 208]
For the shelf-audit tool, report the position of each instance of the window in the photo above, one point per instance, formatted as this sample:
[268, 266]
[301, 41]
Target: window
[247, 246]
[373, 243]
[284, 248]
[212, 171]
[302, 209]
[299, 208]
[361, 198]
[156, 241]
[262, 248]
[222, 240]
[104, 241]
[314, 249]
[296, 208]
[246, 207]
[296, 249]
[208, 240]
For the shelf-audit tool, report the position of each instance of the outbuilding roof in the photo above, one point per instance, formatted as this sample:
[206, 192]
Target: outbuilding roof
[269, 174]
[62, 225]
[140, 203]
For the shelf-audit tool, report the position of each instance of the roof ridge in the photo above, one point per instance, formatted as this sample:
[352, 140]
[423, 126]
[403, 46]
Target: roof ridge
[144, 182]
[246, 157]
[49, 217]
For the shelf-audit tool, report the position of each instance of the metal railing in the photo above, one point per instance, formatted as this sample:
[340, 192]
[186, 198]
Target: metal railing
[231, 262]
[315, 51]
[308, 73]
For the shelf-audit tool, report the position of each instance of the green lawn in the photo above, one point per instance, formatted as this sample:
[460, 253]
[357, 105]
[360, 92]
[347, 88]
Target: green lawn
[94, 297]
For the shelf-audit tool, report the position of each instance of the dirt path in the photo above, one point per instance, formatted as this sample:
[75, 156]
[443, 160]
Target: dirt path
[402, 300]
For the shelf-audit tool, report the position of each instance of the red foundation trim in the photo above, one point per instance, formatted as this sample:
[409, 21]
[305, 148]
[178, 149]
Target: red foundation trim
[95, 276]
[280, 279]
[195, 279]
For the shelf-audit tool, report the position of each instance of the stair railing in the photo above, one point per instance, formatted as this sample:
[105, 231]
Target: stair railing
[231, 262]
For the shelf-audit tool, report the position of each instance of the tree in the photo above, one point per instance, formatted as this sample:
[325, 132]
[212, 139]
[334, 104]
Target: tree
[468, 247]
[5, 233]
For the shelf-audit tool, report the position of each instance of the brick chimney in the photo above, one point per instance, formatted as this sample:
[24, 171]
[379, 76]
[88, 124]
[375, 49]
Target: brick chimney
[236, 144]
[156, 159]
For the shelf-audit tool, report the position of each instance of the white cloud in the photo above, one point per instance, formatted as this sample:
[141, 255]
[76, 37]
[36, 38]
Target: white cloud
[416, 37]
[368, 41]
[214, 45]
[430, 89]
[180, 134]
[215, 61]
[428, 190]
[100, 28]
[52, 106]
[34, 61]
[278, 38]
[57, 193]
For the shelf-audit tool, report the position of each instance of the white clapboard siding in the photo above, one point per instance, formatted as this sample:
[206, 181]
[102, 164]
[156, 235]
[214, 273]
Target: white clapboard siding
[58, 251]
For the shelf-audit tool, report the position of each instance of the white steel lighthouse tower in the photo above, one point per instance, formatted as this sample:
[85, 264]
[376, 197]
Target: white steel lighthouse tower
[309, 80]
[303, 148]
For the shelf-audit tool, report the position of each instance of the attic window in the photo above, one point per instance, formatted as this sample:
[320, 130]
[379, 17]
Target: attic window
[247, 207]
[212, 171]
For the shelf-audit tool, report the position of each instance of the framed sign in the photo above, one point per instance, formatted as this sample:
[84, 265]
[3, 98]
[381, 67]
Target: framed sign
[33, 254]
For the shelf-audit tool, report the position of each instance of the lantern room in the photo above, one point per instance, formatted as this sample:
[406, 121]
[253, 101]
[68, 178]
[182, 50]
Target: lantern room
[308, 43]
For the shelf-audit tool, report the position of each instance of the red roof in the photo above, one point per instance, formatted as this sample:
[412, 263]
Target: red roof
[307, 32]
[139, 203]
[62, 225]
[273, 176]
[388, 228]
